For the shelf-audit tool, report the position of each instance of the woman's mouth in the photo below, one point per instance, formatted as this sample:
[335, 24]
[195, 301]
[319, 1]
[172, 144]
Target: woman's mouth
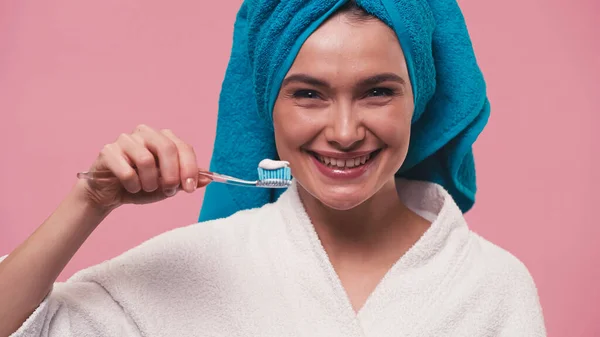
[344, 165]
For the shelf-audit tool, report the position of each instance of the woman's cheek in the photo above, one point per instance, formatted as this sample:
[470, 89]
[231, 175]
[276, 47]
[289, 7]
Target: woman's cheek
[394, 131]
[291, 133]
[300, 127]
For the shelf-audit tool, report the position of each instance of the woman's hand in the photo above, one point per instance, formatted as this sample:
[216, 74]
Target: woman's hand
[149, 165]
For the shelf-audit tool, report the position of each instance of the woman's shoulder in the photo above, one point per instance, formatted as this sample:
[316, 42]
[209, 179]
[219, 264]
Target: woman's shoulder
[183, 249]
[500, 268]
[182, 267]
[501, 287]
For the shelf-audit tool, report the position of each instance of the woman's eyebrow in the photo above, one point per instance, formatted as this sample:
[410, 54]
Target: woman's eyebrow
[369, 81]
[306, 79]
[380, 78]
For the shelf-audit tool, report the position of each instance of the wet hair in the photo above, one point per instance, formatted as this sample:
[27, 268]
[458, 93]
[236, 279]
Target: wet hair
[355, 13]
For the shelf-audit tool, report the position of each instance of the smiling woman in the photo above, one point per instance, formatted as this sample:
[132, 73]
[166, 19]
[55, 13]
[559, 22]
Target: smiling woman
[369, 239]
[345, 98]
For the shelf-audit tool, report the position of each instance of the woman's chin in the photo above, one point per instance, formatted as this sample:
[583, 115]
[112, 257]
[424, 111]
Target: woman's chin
[342, 199]
[342, 205]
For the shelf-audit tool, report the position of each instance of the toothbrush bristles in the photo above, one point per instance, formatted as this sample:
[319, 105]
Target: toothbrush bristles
[278, 177]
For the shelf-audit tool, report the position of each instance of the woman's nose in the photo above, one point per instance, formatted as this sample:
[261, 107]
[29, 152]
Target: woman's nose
[345, 129]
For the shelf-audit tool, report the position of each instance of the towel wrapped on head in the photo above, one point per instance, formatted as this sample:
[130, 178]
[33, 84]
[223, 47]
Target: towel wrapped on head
[451, 105]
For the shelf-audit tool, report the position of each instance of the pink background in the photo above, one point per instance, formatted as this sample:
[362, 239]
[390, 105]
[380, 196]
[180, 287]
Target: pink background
[75, 74]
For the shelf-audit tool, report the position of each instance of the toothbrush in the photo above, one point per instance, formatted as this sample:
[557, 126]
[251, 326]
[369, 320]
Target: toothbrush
[279, 177]
[274, 170]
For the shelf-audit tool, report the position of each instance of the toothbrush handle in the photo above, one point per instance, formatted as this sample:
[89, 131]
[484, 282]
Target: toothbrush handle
[221, 178]
[216, 177]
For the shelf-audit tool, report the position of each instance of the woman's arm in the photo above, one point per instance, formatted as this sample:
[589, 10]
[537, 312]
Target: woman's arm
[27, 274]
[147, 165]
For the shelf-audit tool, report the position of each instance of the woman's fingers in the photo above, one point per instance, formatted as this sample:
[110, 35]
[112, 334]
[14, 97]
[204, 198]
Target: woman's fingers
[188, 167]
[115, 160]
[142, 159]
[151, 165]
[165, 151]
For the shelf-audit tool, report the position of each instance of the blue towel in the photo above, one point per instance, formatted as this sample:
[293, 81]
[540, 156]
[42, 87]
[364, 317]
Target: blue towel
[451, 105]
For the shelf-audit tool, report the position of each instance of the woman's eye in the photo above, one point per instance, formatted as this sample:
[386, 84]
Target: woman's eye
[380, 92]
[306, 94]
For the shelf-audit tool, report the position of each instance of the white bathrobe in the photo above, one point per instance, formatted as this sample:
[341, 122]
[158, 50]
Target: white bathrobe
[264, 272]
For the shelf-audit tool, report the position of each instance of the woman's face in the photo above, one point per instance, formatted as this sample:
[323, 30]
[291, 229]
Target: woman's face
[342, 117]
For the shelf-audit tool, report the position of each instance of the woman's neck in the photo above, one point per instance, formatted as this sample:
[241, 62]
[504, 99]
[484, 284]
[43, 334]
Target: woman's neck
[381, 226]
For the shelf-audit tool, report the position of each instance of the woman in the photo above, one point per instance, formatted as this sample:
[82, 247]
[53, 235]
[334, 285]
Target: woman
[349, 249]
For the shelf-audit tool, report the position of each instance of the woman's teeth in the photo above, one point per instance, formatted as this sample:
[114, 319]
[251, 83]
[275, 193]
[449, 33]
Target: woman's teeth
[344, 163]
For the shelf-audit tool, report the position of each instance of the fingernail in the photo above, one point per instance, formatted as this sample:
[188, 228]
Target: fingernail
[191, 184]
[169, 192]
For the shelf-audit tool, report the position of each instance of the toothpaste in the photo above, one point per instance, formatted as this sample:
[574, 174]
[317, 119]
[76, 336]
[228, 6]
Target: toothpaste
[268, 164]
